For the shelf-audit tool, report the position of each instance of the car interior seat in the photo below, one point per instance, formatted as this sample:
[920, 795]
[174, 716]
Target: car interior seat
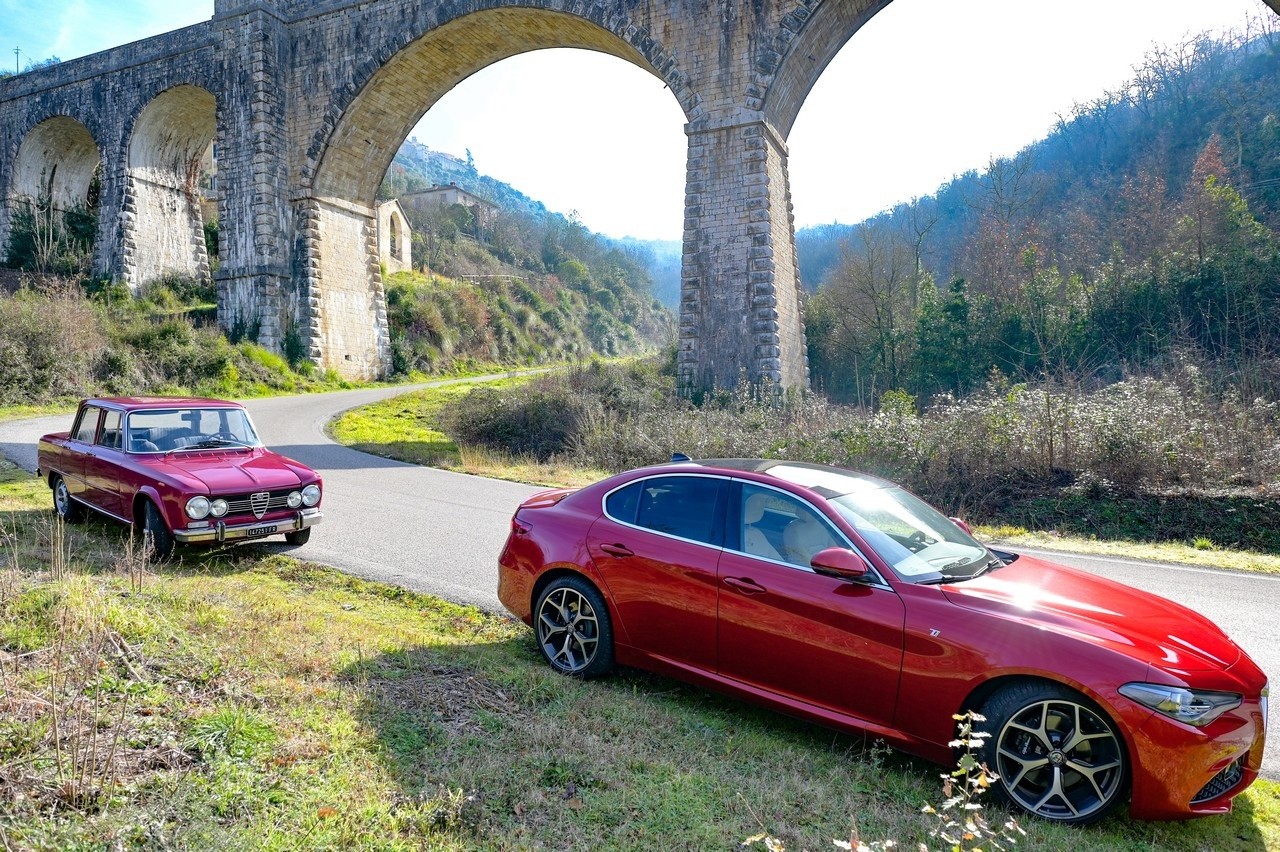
[804, 537]
[754, 540]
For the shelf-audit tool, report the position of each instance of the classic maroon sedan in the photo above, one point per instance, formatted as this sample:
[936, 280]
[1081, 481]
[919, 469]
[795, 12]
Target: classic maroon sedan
[178, 470]
[842, 599]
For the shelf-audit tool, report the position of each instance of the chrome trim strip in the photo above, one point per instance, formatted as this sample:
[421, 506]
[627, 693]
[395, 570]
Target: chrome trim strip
[299, 521]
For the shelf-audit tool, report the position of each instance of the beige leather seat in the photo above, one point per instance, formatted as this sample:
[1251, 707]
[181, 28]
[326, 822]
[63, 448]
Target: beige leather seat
[804, 537]
[754, 541]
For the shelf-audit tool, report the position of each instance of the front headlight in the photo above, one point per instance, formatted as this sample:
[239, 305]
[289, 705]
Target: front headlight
[311, 495]
[197, 508]
[1194, 706]
[218, 508]
[294, 500]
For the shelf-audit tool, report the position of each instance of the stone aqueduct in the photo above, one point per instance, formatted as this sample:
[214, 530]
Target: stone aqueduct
[308, 101]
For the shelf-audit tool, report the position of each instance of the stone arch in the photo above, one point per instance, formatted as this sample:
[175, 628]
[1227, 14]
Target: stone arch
[163, 227]
[394, 230]
[366, 123]
[57, 160]
[807, 46]
[55, 175]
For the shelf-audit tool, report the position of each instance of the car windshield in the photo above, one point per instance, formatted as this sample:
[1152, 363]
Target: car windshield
[181, 429]
[916, 540]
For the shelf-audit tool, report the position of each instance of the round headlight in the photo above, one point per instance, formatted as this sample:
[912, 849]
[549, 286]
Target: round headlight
[295, 499]
[197, 508]
[218, 508]
[311, 495]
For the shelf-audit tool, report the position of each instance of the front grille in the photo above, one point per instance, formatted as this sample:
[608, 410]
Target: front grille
[258, 503]
[1220, 783]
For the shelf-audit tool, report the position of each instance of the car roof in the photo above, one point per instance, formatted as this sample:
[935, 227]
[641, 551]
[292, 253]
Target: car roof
[137, 403]
[827, 480]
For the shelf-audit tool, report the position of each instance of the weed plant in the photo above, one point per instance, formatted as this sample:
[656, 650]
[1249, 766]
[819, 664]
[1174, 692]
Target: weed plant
[1148, 458]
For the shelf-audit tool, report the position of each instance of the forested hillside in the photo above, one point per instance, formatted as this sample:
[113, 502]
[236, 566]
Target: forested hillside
[521, 285]
[1140, 235]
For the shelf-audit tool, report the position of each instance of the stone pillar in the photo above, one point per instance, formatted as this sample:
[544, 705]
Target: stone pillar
[253, 209]
[166, 219]
[740, 311]
[342, 321]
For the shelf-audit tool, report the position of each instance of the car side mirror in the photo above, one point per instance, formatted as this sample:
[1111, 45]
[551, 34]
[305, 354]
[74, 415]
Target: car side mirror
[962, 525]
[839, 562]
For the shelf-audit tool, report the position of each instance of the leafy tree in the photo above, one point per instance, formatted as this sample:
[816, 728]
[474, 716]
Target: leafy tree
[945, 341]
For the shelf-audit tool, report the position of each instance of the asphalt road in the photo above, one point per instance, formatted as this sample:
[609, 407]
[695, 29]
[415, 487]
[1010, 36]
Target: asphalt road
[440, 532]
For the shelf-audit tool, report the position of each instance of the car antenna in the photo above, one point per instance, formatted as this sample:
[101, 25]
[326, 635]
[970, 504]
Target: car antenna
[679, 457]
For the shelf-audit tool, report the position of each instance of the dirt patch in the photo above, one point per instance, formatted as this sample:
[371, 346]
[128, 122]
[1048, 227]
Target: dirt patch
[451, 696]
[10, 281]
[69, 739]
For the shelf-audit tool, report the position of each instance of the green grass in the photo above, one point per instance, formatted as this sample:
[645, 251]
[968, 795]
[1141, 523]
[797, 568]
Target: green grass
[240, 700]
[406, 428]
[246, 701]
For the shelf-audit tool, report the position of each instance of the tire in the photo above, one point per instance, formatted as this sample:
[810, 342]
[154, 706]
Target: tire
[64, 506]
[573, 629]
[1055, 753]
[298, 537]
[157, 541]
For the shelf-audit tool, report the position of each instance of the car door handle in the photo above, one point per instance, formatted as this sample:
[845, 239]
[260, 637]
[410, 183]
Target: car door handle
[616, 550]
[745, 585]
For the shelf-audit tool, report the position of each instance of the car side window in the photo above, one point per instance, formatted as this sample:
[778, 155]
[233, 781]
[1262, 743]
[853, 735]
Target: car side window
[621, 505]
[683, 506]
[87, 425]
[111, 436]
[778, 526]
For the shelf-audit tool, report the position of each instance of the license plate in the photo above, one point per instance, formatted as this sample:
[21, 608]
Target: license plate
[257, 532]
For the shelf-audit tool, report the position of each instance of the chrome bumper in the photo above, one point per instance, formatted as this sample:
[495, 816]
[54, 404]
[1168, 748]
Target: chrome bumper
[220, 532]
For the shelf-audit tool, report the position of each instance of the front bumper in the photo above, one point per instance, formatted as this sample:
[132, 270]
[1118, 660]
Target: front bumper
[220, 531]
[1184, 772]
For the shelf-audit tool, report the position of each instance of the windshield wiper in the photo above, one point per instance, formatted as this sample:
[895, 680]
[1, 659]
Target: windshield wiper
[990, 565]
[213, 443]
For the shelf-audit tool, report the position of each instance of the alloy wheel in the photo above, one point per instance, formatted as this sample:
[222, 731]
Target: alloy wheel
[1060, 760]
[568, 630]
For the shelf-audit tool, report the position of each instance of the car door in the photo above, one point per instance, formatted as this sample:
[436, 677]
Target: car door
[79, 445]
[656, 547]
[103, 466]
[784, 628]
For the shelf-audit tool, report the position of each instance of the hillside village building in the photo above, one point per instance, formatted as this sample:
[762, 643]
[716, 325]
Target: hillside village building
[395, 238]
[446, 196]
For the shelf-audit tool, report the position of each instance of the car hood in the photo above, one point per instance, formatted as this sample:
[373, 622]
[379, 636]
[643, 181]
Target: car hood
[234, 473]
[1164, 633]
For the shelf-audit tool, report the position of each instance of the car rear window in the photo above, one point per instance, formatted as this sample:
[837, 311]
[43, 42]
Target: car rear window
[683, 506]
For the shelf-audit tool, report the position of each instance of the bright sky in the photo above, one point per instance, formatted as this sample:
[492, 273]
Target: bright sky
[926, 90]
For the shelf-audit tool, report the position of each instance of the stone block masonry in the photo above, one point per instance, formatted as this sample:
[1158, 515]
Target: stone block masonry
[306, 103]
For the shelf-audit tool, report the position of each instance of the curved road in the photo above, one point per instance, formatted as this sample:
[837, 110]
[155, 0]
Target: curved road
[439, 532]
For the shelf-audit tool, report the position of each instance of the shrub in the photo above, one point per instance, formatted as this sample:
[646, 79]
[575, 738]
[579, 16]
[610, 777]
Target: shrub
[48, 345]
[538, 419]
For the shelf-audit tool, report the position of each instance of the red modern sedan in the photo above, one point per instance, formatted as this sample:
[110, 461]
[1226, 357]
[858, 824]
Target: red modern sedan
[843, 599]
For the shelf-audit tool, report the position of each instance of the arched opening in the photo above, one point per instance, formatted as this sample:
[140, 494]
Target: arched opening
[169, 151]
[342, 272]
[54, 198]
